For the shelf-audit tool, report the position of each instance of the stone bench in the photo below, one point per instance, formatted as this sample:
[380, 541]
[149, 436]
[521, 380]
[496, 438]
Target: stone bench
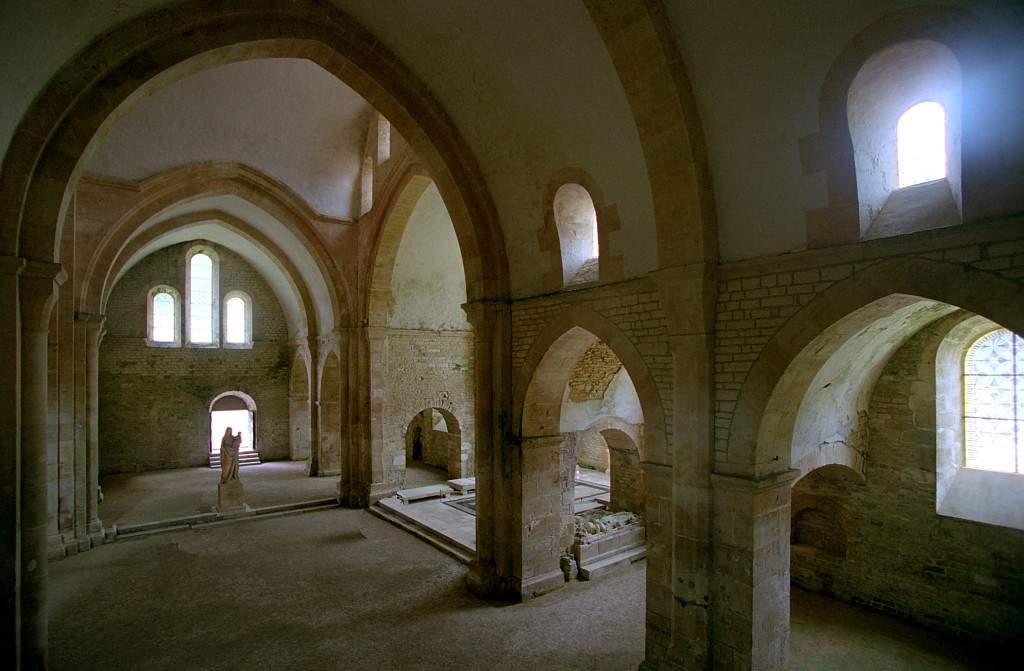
[463, 485]
[419, 493]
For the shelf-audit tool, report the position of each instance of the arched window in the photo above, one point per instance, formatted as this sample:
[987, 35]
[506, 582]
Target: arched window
[576, 221]
[202, 296]
[237, 319]
[904, 110]
[994, 403]
[164, 317]
[921, 144]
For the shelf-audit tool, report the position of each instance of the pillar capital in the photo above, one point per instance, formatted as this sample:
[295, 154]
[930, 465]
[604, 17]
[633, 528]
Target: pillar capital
[95, 327]
[38, 284]
[482, 314]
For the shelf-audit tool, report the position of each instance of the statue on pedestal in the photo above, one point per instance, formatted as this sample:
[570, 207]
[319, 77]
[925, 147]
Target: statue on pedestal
[229, 445]
[229, 491]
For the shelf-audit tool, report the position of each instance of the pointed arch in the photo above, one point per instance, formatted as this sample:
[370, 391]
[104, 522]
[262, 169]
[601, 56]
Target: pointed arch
[166, 44]
[549, 363]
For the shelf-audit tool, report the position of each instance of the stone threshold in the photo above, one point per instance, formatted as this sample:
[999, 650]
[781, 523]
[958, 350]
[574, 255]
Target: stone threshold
[130, 531]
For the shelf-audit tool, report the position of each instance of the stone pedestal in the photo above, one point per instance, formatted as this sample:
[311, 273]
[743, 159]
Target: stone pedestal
[229, 496]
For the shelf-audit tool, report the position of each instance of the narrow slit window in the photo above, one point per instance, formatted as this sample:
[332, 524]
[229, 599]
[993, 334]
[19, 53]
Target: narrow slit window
[921, 144]
[235, 314]
[163, 317]
[994, 403]
[201, 299]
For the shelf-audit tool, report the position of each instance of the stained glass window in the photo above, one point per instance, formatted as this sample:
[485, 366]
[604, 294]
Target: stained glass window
[163, 317]
[200, 299]
[994, 403]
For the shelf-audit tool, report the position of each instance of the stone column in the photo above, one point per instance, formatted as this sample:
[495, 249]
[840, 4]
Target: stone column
[313, 466]
[10, 475]
[94, 335]
[373, 468]
[356, 485]
[751, 584]
[37, 289]
[494, 572]
[545, 498]
[679, 576]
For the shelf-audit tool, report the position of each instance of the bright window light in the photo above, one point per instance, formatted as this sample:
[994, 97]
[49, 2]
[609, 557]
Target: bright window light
[163, 318]
[994, 402]
[921, 144]
[240, 421]
[201, 299]
[235, 331]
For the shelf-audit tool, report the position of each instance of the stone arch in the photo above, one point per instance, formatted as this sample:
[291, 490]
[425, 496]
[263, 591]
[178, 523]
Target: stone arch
[922, 289]
[329, 459]
[565, 339]
[444, 451]
[235, 400]
[642, 46]
[610, 267]
[166, 44]
[299, 409]
[194, 182]
[413, 182]
[831, 149]
[96, 293]
[626, 475]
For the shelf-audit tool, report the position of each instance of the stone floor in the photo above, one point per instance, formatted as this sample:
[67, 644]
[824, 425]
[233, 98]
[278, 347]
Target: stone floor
[133, 498]
[458, 526]
[342, 589]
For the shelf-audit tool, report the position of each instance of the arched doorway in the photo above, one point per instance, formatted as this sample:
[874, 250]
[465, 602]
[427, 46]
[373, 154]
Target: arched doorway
[235, 410]
[433, 439]
[580, 406]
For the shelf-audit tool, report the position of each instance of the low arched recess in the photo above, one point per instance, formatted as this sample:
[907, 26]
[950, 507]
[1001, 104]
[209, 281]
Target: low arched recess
[894, 284]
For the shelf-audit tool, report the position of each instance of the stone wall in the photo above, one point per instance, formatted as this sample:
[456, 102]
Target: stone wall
[902, 557]
[427, 369]
[756, 298]
[154, 401]
[439, 448]
[593, 373]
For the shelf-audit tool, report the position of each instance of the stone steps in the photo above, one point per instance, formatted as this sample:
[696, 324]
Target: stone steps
[143, 529]
[611, 562]
[247, 458]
